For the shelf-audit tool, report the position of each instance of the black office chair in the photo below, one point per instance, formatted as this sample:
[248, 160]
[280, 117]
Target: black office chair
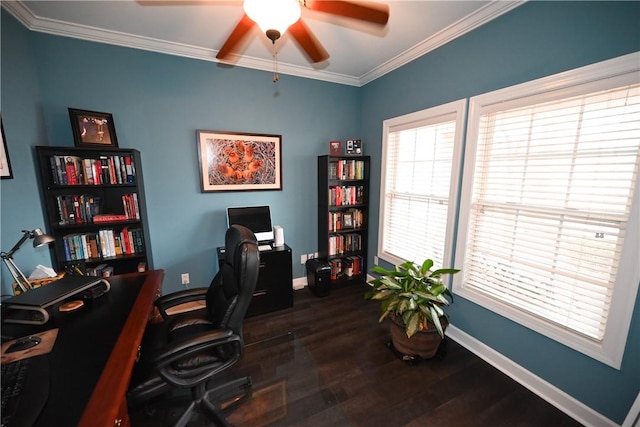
[191, 350]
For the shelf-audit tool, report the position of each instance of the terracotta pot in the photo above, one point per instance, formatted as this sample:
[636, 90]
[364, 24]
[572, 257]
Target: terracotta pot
[423, 343]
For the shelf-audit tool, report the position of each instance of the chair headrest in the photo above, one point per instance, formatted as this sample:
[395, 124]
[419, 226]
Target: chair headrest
[237, 235]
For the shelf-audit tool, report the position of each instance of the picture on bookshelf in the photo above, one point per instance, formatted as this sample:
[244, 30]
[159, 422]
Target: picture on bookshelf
[5, 164]
[92, 128]
[347, 220]
[353, 147]
[335, 148]
[235, 161]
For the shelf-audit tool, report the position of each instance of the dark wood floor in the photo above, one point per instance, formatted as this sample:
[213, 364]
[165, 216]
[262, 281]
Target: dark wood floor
[325, 363]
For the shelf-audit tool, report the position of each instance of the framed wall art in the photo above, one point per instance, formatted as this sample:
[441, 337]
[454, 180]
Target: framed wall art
[236, 161]
[92, 128]
[5, 164]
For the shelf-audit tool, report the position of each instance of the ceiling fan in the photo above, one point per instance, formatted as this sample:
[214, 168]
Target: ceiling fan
[274, 17]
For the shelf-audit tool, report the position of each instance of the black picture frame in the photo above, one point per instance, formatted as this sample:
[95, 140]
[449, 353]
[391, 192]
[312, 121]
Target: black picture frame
[238, 161]
[92, 128]
[5, 164]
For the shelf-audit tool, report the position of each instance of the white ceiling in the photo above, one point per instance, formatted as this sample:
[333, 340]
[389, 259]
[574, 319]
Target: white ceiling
[359, 52]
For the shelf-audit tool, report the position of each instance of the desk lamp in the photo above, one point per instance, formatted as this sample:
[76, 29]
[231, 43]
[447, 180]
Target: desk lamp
[39, 239]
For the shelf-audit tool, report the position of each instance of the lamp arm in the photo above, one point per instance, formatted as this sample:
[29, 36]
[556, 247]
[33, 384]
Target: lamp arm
[14, 249]
[20, 278]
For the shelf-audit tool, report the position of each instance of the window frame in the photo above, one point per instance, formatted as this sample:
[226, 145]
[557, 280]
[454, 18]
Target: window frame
[603, 75]
[414, 120]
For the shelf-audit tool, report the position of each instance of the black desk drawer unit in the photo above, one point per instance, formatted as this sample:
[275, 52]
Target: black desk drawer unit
[274, 290]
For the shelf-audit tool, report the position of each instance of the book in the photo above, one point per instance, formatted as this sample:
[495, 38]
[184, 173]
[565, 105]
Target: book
[72, 171]
[88, 171]
[96, 166]
[129, 167]
[109, 218]
[105, 177]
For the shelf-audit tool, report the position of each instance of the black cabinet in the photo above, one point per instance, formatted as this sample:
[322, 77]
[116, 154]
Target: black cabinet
[343, 212]
[274, 290]
[95, 207]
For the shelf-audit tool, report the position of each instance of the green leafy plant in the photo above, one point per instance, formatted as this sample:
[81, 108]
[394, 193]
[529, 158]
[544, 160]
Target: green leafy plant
[413, 293]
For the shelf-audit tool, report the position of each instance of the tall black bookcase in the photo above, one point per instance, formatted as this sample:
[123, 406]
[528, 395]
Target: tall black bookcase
[343, 215]
[95, 208]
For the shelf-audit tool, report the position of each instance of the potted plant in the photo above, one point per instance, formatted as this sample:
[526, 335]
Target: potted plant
[412, 297]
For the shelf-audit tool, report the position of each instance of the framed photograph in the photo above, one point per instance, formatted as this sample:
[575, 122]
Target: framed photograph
[335, 148]
[92, 128]
[347, 220]
[5, 164]
[236, 161]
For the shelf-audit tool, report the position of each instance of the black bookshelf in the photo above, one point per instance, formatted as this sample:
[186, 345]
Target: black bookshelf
[343, 215]
[95, 207]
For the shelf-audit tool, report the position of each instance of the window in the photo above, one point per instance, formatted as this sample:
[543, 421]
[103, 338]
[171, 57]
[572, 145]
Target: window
[549, 215]
[419, 184]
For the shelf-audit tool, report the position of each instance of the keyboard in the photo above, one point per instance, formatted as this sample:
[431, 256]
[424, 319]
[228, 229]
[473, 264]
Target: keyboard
[25, 390]
[266, 247]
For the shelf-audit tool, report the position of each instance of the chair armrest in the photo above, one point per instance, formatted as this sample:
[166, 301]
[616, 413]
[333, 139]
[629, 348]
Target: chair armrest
[177, 350]
[165, 302]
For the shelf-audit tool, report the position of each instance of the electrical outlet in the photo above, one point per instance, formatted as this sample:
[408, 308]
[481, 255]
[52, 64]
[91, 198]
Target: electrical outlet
[310, 256]
[185, 278]
[303, 259]
[375, 260]
[315, 254]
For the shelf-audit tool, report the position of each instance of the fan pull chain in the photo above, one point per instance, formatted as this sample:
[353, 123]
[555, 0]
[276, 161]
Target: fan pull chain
[275, 64]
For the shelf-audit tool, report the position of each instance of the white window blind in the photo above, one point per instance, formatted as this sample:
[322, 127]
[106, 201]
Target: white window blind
[553, 180]
[419, 151]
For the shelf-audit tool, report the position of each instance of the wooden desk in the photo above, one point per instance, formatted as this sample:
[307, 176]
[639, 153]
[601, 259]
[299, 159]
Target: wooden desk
[95, 351]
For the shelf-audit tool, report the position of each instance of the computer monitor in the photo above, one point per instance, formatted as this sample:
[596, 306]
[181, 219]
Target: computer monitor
[255, 218]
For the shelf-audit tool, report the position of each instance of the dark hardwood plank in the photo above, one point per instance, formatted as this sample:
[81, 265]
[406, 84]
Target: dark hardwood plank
[325, 363]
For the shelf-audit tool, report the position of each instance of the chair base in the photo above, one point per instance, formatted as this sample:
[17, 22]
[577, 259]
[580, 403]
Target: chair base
[211, 401]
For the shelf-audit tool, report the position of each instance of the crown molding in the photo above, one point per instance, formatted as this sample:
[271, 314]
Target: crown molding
[66, 29]
[453, 31]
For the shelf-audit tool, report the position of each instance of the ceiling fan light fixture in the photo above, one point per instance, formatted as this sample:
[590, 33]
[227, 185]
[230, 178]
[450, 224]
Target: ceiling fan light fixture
[271, 15]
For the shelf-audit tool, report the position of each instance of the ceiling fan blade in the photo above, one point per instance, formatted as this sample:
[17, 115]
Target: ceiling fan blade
[370, 12]
[308, 42]
[236, 36]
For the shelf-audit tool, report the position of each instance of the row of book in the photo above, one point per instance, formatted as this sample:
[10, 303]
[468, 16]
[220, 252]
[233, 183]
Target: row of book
[86, 209]
[346, 169]
[101, 270]
[351, 266]
[346, 195]
[75, 170]
[102, 244]
[344, 220]
[106, 270]
[342, 243]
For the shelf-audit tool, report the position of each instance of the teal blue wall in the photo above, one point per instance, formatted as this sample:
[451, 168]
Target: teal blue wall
[23, 127]
[159, 101]
[532, 41]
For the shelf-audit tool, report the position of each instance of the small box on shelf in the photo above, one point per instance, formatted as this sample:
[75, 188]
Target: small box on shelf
[353, 147]
[335, 148]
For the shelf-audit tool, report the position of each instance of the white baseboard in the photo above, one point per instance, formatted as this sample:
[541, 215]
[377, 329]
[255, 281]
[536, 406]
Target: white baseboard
[558, 398]
[299, 283]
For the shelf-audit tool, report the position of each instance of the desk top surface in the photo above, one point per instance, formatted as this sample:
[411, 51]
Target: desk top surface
[283, 248]
[53, 292]
[94, 352]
